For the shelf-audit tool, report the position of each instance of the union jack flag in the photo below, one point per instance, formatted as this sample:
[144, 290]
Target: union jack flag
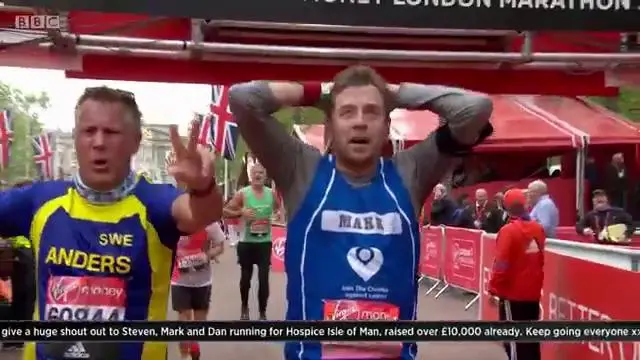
[43, 154]
[224, 130]
[6, 138]
[204, 135]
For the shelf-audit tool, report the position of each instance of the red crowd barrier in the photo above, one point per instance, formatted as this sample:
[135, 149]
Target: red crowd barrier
[279, 236]
[589, 291]
[462, 254]
[431, 252]
[487, 309]
[583, 282]
[451, 256]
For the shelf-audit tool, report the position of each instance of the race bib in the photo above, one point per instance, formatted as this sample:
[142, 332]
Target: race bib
[354, 310]
[192, 261]
[84, 298]
[259, 227]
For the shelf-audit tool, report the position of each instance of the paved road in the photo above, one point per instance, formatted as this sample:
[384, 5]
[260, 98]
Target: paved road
[225, 306]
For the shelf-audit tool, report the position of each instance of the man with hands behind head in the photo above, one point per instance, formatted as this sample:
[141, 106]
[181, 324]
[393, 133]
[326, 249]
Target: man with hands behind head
[353, 238]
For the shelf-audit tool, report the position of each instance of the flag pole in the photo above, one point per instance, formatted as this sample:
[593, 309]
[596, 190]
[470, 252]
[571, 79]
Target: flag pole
[226, 179]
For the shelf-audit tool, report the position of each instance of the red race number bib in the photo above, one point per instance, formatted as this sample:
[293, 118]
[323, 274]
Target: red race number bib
[84, 298]
[259, 227]
[192, 261]
[353, 310]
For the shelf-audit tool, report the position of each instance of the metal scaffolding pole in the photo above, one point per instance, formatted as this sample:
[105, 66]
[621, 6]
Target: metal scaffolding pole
[124, 44]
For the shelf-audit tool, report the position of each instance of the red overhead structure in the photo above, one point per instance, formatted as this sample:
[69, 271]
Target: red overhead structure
[243, 42]
[600, 126]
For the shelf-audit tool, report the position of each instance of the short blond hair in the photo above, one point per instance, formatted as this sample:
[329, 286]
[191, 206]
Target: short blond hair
[538, 186]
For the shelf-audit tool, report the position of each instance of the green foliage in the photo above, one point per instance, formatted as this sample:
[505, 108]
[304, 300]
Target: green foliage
[627, 103]
[24, 110]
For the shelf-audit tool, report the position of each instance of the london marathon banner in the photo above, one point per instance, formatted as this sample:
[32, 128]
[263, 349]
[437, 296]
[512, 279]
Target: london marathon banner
[617, 15]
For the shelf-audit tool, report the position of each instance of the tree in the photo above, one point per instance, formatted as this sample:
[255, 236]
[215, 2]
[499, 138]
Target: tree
[24, 108]
[627, 103]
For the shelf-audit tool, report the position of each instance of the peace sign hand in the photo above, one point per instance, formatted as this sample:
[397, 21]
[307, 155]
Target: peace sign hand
[191, 165]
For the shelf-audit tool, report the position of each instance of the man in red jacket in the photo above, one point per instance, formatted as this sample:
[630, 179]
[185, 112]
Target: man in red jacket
[517, 275]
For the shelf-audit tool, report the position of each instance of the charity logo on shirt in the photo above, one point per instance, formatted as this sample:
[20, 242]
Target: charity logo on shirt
[365, 261]
[85, 298]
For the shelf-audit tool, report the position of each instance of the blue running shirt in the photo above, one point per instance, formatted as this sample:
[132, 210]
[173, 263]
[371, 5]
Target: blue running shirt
[353, 245]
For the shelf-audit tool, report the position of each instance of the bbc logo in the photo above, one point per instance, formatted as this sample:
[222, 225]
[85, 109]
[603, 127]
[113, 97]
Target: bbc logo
[37, 22]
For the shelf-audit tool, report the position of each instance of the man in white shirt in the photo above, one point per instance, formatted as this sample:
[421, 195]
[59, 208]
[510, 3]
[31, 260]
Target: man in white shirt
[543, 209]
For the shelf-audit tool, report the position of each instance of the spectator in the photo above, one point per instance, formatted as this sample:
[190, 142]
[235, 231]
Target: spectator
[442, 207]
[599, 221]
[616, 182]
[543, 209]
[463, 215]
[481, 209]
[517, 274]
[591, 173]
[497, 216]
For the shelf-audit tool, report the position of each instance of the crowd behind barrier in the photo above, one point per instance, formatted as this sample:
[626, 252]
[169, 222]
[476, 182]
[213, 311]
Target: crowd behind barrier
[583, 281]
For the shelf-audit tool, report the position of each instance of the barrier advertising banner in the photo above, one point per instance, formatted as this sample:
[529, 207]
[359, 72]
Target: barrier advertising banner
[448, 14]
[581, 290]
[488, 309]
[462, 258]
[279, 236]
[431, 251]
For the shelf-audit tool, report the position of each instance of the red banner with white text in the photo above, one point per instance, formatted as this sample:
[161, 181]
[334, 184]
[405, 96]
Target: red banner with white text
[488, 309]
[279, 236]
[462, 258]
[576, 289]
[431, 243]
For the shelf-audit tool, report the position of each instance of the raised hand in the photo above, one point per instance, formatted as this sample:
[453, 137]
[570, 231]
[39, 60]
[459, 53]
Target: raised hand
[191, 165]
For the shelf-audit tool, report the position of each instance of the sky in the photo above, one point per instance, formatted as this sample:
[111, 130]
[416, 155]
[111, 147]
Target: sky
[160, 103]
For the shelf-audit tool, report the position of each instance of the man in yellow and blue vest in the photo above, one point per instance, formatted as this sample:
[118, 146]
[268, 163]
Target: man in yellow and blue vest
[109, 228]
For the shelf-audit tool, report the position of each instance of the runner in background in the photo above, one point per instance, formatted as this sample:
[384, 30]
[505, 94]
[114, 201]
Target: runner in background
[191, 279]
[517, 275]
[256, 204]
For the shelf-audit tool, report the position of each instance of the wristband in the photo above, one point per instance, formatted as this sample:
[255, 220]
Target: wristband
[311, 93]
[205, 192]
[447, 144]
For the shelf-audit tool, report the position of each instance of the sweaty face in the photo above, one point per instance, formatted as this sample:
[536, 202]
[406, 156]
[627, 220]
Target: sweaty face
[258, 175]
[359, 126]
[105, 140]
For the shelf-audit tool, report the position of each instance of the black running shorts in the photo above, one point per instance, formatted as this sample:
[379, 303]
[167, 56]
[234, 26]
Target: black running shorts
[190, 298]
[250, 254]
